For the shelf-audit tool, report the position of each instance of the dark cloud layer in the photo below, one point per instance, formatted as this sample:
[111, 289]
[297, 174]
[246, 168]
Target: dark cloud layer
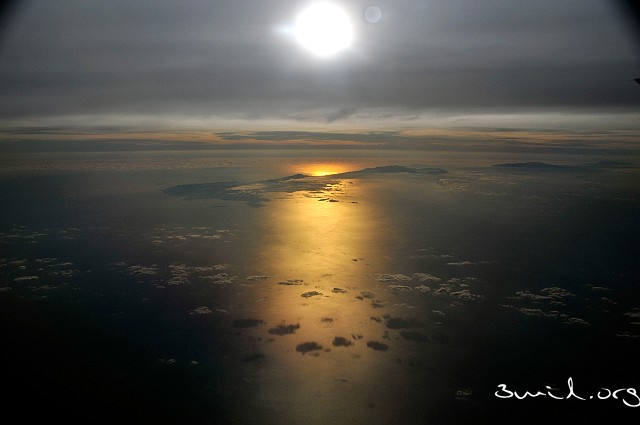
[202, 58]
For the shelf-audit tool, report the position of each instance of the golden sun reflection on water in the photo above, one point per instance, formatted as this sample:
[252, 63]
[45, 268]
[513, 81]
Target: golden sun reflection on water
[323, 169]
[321, 251]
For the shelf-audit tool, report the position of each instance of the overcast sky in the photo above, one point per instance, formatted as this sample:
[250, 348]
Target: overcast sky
[234, 64]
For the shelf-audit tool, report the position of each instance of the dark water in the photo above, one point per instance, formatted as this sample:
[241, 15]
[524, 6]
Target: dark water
[133, 289]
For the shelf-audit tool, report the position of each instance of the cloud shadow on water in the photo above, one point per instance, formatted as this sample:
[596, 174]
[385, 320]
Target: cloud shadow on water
[246, 323]
[378, 346]
[307, 347]
[284, 329]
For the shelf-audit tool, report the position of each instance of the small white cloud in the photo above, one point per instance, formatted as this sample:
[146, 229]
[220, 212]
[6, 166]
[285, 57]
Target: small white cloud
[531, 311]
[178, 237]
[203, 310]
[552, 295]
[556, 314]
[526, 295]
[577, 321]
[142, 270]
[461, 263]
[66, 273]
[179, 274]
[443, 290]
[552, 314]
[457, 288]
[556, 292]
[46, 287]
[178, 280]
[627, 335]
[26, 278]
[426, 277]
[257, 277]
[634, 313]
[385, 277]
[465, 294]
[422, 288]
[202, 268]
[400, 288]
[291, 282]
[47, 260]
[215, 276]
[224, 280]
[463, 394]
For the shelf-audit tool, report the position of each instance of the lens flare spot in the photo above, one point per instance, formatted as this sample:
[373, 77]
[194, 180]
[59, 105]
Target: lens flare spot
[373, 14]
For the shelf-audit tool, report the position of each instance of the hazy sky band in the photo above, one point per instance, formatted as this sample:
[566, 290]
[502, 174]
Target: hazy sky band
[222, 64]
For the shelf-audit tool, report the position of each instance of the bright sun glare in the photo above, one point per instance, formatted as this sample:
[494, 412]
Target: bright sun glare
[322, 173]
[322, 169]
[324, 29]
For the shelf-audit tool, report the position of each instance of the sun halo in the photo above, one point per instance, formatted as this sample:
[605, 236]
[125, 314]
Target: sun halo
[324, 29]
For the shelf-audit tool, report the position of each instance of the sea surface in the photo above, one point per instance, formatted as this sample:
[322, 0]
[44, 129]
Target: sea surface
[318, 286]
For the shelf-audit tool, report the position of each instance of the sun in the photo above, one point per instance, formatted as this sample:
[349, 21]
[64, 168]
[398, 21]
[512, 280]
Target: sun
[322, 169]
[324, 29]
